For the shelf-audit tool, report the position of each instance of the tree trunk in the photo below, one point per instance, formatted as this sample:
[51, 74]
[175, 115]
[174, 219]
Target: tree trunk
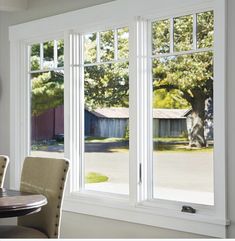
[196, 135]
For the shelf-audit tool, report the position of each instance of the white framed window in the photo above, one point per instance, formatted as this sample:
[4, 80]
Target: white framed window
[46, 81]
[182, 108]
[92, 43]
[103, 115]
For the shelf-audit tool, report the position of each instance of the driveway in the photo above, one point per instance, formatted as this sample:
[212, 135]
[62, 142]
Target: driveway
[179, 175]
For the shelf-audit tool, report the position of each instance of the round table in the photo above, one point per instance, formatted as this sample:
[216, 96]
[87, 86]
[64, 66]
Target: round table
[15, 203]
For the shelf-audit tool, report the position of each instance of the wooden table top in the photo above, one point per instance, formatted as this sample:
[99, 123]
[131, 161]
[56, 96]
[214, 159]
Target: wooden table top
[15, 203]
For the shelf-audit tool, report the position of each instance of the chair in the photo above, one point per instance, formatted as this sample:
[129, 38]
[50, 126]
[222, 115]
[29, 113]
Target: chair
[44, 176]
[4, 161]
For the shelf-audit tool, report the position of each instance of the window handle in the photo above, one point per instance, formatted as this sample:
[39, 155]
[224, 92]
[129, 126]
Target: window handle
[140, 173]
[188, 209]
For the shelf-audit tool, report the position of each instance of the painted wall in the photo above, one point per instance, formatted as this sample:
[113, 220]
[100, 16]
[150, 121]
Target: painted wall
[231, 116]
[83, 226]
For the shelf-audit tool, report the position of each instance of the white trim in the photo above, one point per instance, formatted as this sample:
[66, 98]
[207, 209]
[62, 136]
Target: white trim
[45, 70]
[220, 163]
[106, 62]
[68, 25]
[122, 211]
[182, 53]
[134, 86]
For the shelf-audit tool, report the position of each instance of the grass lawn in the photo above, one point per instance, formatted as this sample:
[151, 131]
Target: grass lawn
[94, 177]
[180, 148]
[92, 139]
[166, 144]
[170, 139]
[168, 148]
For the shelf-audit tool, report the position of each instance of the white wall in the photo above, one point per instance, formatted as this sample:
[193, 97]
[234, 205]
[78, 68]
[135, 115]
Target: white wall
[83, 226]
[231, 116]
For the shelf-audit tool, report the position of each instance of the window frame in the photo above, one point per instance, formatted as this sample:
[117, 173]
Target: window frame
[151, 200]
[80, 107]
[164, 214]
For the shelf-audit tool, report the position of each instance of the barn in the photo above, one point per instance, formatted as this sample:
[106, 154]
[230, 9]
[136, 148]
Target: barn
[113, 122]
[106, 122]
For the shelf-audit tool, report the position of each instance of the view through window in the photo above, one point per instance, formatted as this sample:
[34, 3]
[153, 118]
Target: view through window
[106, 113]
[182, 68]
[47, 98]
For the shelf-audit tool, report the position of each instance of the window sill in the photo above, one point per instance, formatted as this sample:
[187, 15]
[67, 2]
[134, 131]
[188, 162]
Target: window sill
[121, 209]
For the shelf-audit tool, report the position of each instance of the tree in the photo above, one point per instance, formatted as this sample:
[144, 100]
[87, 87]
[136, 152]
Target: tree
[47, 92]
[106, 85]
[48, 86]
[192, 74]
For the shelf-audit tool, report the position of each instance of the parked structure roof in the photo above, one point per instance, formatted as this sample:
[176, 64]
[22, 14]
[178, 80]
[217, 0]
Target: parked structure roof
[123, 113]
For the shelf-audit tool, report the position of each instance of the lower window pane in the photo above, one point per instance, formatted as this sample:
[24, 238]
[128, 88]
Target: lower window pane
[47, 114]
[183, 128]
[106, 115]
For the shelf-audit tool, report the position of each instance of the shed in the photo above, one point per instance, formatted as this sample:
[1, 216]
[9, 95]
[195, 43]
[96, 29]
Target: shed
[113, 122]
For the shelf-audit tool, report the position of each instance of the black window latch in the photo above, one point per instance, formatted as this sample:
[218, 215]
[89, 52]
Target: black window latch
[188, 209]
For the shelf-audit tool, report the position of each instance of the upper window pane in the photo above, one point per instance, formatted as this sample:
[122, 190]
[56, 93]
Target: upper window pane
[123, 43]
[60, 53]
[205, 29]
[161, 37]
[183, 33]
[35, 57]
[107, 46]
[90, 48]
[48, 55]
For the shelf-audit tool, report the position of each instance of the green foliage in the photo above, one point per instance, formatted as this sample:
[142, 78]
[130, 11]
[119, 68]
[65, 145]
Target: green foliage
[35, 63]
[183, 33]
[107, 85]
[47, 86]
[169, 100]
[90, 48]
[205, 29]
[186, 73]
[188, 76]
[123, 43]
[47, 92]
[107, 45]
[127, 132]
[161, 36]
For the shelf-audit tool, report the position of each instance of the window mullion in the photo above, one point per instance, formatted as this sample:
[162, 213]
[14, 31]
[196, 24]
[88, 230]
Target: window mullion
[149, 123]
[81, 124]
[139, 110]
[75, 115]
